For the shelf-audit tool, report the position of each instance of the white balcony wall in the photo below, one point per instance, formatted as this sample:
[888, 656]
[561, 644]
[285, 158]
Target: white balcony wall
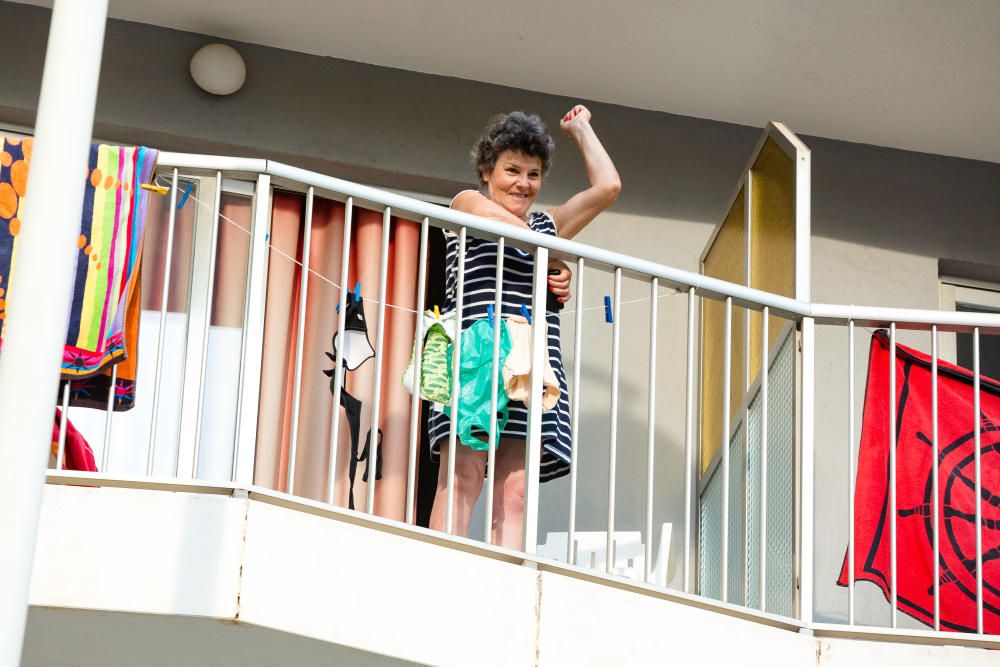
[125, 576]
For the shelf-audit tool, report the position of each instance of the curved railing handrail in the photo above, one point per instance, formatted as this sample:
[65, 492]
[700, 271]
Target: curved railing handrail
[669, 276]
[905, 318]
[714, 288]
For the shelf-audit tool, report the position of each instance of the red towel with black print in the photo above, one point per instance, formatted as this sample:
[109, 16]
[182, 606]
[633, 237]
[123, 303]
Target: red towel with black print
[914, 523]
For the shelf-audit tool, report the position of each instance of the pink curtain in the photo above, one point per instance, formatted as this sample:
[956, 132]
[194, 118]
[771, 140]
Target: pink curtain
[154, 255]
[231, 258]
[280, 332]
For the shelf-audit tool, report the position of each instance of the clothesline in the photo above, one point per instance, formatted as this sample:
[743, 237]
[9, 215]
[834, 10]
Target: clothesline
[670, 291]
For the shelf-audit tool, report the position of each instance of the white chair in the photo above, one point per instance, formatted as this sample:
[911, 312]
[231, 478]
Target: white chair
[590, 549]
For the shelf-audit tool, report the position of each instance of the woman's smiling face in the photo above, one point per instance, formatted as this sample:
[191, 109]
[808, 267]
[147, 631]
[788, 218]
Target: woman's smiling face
[514, 181]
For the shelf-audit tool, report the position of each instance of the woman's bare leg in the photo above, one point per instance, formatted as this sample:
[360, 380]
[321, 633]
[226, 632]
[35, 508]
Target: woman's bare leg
[508, 499]
[470, 466]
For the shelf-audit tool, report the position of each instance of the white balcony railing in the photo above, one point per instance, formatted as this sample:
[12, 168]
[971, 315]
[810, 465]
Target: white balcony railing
[734, 556]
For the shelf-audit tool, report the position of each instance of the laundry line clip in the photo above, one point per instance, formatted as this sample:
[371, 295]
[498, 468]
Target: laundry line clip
[158, 189]
[489, 313]
[184, 198]
[525, 313]
[608, 317]
[357, 294]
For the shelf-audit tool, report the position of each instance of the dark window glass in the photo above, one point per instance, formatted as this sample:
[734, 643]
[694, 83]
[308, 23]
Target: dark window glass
[989, 346]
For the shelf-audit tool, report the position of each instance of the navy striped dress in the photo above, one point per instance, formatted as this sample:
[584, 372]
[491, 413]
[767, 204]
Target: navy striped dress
[480, 283]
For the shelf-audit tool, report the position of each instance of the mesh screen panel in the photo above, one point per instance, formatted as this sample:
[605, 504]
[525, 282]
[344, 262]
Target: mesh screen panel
[710, 538]
[781, 482]
[737, 518]
[753, 502]
[745, 462]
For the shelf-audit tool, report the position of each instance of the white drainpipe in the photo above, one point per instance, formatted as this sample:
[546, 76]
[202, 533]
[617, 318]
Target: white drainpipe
[39, 298]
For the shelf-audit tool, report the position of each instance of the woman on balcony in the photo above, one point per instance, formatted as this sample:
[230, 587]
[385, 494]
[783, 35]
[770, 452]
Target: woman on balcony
[511, 158]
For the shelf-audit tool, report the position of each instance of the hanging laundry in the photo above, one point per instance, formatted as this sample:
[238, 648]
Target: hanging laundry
[352, 350]
[363, 457]
[914, 519]
[435, 368]
[77, 454]
[352, 411]
[353, 346]
[435, 364]
[103, 325]
[92, 391]
[476, 381]
[517, 367]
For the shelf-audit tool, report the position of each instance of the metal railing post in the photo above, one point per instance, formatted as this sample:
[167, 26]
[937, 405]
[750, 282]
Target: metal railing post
[39, 297]
[339, 368]
[376, 415]
[689, 464]
[850, 473]
[415, 409]
[194, 364]
[575, 413]
[162, 326]
[494, 435]
[727, 377]
[539, 350]
[808, 361]
[206, 328]
[247, 408]
[609, 548]
[650, 431]
[300, 338]
[456, 385]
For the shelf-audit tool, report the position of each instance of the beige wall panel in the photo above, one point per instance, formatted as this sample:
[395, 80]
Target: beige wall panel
[772, 237]
[726, 260]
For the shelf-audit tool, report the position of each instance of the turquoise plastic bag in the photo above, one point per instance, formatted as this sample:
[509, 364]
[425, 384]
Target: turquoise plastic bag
[475, 375]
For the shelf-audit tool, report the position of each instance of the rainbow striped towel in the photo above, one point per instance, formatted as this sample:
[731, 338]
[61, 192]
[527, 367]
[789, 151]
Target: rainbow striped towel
[110, 243]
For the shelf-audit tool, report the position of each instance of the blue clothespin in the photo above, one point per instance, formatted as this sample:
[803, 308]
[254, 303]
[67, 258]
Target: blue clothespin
[338, 307]
[489, 313]
[607, 310]
[357, 292]
[184, 197]
[525, 313]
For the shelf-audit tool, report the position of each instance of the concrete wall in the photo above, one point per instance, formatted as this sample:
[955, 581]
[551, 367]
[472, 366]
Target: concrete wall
[188, 578]
[881, 218]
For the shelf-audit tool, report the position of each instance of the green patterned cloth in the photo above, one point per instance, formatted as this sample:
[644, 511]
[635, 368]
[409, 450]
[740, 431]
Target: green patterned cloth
[475, 380]
[435, 369]
[435, 366]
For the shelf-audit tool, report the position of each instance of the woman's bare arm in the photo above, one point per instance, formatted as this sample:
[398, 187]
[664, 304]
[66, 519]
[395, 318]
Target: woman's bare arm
[475, 203]
[605, 183]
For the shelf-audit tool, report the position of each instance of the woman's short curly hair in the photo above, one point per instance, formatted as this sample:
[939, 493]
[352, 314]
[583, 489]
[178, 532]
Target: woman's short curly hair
[516, 131]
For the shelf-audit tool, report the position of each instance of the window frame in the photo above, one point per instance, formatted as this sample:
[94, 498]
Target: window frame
[957, 291]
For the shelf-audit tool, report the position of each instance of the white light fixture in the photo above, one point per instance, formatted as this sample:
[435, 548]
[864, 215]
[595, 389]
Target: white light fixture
[218, 69]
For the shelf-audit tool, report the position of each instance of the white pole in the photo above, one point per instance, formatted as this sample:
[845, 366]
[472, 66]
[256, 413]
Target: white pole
[533, 441]
[39, 295]
[807, 470]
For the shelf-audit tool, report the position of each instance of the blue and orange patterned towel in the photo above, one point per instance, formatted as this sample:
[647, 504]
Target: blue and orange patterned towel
[101, 334]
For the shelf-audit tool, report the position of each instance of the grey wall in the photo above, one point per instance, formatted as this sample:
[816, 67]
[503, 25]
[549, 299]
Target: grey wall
[881, 218]
[410, 130]
[392, 127]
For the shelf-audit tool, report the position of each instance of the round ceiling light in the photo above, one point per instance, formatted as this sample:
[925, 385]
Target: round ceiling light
[218, 69]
